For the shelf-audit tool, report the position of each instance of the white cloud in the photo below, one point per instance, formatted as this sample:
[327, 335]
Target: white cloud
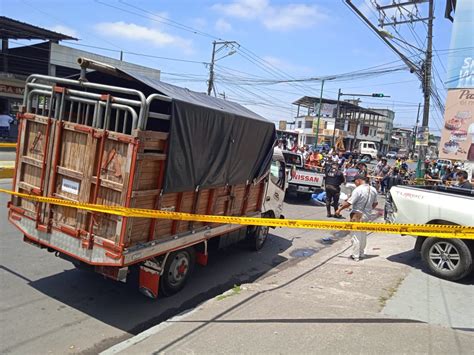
[274, 17]
[154, 36]
[246, 9]
[64, 30]
[223, 26]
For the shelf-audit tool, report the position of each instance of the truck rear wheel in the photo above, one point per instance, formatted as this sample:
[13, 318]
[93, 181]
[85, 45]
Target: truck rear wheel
[177, 270]
[257, 236]
[448, 259]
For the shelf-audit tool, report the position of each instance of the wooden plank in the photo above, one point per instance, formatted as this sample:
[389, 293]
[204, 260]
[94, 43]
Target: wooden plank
[145, 193]
[151, 156]
[31, 161]
[25, 186]
[150, 135]
[71, 173]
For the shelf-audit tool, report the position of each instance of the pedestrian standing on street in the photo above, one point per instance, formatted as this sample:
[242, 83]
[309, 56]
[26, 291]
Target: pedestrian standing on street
[5, 120]
[363, 200]
[333, 181]
[463, 183]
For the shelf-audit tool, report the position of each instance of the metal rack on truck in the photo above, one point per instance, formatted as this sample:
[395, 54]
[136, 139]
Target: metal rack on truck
[117, 138]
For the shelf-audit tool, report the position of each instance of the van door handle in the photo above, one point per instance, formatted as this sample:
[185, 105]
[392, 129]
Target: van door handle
[268, 198]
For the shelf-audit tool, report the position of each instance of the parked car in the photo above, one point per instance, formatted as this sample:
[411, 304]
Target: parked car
[447, 258]
[444, 163]
[391, 155]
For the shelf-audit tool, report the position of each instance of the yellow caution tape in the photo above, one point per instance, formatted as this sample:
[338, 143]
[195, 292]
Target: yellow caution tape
[440, 231]
[7, 145]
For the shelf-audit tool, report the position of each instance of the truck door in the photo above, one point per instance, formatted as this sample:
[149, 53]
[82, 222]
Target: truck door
[276, 187]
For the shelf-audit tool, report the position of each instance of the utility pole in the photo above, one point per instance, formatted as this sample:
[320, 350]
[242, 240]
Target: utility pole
[210, 83]
[223, 44]
[402, 12]
[339, 93]
[416, 127]
[319, 112]
[427, 67]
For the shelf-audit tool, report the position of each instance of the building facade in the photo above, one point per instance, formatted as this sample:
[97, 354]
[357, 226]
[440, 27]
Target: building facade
[384, 128]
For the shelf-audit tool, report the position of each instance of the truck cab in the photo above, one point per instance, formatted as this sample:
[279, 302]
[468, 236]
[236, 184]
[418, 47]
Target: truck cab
[368, 150]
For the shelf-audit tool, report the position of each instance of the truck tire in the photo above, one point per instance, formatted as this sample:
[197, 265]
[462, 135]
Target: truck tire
[256, 237]
[178, 268]
[448, 259]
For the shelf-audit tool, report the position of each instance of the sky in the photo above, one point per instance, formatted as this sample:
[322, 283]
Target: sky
[278, 40]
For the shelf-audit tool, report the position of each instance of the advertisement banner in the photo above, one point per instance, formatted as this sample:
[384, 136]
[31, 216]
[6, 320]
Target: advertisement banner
[457, 139]
[460, 73]
[422, 136]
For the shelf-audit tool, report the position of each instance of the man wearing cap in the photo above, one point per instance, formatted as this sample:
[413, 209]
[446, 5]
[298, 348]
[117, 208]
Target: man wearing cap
[363, 200]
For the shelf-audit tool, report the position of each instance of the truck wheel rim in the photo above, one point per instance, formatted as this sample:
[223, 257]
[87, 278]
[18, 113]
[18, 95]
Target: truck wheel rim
[178, 269]
[444, 256]
[262, 235]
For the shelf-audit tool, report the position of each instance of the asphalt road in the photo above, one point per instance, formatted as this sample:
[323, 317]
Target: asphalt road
[47, 306]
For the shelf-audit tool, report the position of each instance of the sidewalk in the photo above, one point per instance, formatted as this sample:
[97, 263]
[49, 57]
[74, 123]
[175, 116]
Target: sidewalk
[324, 303]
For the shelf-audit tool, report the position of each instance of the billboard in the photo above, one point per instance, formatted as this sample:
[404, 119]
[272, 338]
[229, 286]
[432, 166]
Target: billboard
[460, 73]
[457, 139]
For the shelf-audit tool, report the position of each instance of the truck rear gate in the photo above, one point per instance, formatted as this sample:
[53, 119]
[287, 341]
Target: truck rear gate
[87, 142]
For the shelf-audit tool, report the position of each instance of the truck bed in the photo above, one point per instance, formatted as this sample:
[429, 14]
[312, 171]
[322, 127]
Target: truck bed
[80, 147]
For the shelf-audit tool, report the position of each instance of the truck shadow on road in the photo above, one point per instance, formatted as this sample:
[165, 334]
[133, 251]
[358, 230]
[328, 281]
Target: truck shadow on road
[413, 259]
[122, 306]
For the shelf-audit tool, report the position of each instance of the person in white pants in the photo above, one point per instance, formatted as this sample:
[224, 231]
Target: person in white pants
[363, 200]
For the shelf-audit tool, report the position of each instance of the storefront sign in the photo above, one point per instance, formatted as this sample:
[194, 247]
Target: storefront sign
[457, 139]
[12, 90]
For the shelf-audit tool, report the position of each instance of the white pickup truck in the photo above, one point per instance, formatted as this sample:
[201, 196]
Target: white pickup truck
[304, 182]
[450, 259]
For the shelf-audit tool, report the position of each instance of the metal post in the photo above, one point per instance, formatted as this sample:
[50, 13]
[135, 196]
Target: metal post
[5, 54]
[337, 116]
[319, 112]
[426, 88]
[210, 83]
[416, 127]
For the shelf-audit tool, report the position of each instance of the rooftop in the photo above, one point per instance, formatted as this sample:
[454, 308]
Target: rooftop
[310, 101]
[13, 29]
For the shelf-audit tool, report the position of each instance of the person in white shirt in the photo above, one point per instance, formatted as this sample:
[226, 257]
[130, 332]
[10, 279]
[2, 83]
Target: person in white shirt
[5, 121]
[363, 200]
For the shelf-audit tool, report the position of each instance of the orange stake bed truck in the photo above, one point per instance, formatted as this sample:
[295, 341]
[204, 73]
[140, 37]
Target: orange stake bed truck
[117, 138]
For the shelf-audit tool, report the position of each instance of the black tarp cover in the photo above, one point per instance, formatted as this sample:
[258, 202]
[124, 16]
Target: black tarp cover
[212, 142]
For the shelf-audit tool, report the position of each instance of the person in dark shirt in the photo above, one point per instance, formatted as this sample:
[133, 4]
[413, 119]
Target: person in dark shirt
[394, 179]
[463, 183]
[334, 180]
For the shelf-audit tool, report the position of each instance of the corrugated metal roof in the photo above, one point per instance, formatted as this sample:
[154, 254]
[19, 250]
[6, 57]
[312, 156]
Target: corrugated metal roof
[14, 29]
[310, 101]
